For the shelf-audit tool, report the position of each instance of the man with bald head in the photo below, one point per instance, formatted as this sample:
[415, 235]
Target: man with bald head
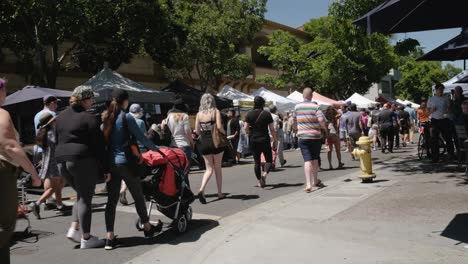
[310, 124]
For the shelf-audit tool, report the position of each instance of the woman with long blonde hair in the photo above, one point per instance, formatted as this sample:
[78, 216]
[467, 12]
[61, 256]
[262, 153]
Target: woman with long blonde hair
[207, 118]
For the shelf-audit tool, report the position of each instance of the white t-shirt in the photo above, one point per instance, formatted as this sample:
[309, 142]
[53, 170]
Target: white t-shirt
[179, 130]
[440, 104]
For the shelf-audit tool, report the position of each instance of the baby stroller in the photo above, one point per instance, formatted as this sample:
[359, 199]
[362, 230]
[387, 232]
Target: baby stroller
[165, 186]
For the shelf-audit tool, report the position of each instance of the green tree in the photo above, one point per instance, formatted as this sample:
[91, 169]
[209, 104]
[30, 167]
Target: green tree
[418, 78]
[206, 40]
[452, 70]
[50, 36]
[339, 61]
[352, 9]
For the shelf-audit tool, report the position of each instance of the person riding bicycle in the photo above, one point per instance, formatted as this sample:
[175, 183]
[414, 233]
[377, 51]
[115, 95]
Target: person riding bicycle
[424, 123]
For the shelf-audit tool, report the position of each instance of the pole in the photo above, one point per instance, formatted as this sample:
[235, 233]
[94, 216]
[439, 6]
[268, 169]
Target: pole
[464, 64]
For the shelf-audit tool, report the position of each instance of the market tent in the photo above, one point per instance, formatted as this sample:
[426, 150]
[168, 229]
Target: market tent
[384, 99]
[400, 16]
[360, 101]
[297, 96]
[460, 79]
[192, 96]
[107, 80]
[282, 103]
[320, 98]
[30, 93]
[233, 94]
[406, 102]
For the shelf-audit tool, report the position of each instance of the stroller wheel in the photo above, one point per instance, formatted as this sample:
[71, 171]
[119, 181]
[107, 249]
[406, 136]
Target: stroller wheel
[189, 214]
[181, 224]
[138, 225]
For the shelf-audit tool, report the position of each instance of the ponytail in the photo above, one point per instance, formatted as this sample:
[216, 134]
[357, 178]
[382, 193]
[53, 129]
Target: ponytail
[109, 119]
[41, 138]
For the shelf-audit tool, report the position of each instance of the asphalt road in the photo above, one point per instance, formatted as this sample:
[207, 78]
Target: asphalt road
[239, 181]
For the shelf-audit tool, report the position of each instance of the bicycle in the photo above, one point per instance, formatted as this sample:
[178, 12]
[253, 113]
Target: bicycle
[424, 150]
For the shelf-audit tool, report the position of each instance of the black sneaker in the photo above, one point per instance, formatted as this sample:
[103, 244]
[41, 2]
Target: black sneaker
[64, 209]
[50, 206]
[111, 243]
[35, 209]
[153, 230]
[282, 163]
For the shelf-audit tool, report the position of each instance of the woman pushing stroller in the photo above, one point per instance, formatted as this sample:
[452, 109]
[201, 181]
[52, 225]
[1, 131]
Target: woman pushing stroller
[118, 128]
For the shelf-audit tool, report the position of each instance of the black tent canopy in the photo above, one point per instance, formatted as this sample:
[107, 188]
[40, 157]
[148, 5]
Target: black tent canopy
[191, 96]
[400, 16]
[452, 50]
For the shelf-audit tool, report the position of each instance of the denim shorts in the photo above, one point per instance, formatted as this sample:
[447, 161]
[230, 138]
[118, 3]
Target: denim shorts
[310, 148]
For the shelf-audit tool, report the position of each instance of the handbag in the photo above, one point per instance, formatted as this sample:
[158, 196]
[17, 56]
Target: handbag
[131, 149]
[219, 138]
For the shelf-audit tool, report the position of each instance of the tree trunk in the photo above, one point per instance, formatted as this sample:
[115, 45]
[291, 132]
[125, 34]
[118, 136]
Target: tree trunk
[52, 70]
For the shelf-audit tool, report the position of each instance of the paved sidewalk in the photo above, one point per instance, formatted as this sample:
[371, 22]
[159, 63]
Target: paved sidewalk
[415, 212]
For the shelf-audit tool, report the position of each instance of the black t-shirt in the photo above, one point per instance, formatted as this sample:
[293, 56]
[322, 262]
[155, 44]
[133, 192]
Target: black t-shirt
[386, 118]
[404, 118]
[234, 126]
[258, 121]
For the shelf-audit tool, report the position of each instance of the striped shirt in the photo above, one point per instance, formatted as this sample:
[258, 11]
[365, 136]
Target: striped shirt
[309, 116]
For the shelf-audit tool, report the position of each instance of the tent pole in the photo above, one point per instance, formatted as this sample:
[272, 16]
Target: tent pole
[464, 64]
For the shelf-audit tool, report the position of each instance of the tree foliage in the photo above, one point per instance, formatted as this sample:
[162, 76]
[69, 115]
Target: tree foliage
[45, 35]
[352, 9]
[208, 36]
[452, 70]
[339, 61]
[418, 78]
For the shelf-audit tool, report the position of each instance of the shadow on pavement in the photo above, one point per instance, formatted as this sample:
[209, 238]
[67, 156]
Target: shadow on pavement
[243, 197]
[283, 185]
[196, 229]
[456, 229]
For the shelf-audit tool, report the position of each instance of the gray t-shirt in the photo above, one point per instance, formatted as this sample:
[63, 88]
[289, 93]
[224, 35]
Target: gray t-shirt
[352, 122]
[440, 104]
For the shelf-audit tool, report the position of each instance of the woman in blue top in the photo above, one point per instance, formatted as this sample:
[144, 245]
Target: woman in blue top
[117, 139]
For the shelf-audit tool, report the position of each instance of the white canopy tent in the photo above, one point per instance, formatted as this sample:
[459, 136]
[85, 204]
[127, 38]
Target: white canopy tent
[297, 96]
[460, 79]
[107, 80]
[282, 103]
[406, 102]
[239, 98]
[361, 101]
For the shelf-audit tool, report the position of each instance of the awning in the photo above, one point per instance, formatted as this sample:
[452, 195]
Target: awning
[452, 50]
[361, 101]
[297, 96]
[282, 103]
[400, 16]
[30, 93]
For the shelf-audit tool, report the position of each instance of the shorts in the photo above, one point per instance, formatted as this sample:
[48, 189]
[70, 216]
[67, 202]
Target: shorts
[353, 138]
[404, 130]
[343, 134]
[310, 148]
[333, 139]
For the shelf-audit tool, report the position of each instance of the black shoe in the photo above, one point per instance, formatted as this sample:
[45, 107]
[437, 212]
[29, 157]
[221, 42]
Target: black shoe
[201, 198]
[64, 209]
[123, 198]
[50, 206]
[282, 163]
[35, 209]
[111, 243]
[153, 230]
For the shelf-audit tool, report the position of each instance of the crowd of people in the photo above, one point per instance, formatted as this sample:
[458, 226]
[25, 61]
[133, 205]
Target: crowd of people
[76, 147]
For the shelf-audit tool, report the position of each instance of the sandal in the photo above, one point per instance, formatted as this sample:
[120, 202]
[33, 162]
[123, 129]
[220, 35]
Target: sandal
[341, 165]
[201, 198]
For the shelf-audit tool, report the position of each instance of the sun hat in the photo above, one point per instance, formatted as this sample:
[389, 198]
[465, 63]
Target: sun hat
[45, 119]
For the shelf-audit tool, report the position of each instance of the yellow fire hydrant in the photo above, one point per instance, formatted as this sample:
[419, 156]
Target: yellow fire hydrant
[364, 154]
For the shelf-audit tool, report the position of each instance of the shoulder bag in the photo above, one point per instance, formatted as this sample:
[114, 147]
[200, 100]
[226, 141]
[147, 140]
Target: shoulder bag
[219, 138]
[132, 151]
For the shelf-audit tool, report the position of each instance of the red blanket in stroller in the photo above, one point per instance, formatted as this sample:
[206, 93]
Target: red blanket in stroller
[173, 159]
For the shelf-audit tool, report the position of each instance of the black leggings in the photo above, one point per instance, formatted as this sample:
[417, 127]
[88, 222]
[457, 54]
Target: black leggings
[81, 175]
[132, 180]
[257, 148]
[9, 205]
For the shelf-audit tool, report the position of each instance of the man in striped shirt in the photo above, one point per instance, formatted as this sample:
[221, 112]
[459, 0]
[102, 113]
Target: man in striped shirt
[310, 126]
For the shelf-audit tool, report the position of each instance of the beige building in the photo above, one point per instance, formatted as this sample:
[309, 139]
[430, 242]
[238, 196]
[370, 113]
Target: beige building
[146, 71]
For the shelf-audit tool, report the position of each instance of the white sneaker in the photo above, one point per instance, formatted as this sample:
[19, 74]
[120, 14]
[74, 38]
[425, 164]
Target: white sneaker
[92, 242]
[74, 235]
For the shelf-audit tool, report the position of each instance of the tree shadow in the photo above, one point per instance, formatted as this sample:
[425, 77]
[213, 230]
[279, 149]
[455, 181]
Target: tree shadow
[196, 229]
[243, 197]
[456, 229]
[293, 166]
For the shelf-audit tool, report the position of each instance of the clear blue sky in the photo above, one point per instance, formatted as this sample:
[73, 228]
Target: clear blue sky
[295, 13]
